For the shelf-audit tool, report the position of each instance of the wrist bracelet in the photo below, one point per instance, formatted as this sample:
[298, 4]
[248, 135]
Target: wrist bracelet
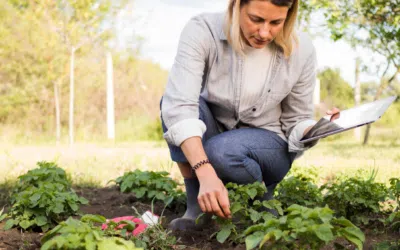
[195, 167]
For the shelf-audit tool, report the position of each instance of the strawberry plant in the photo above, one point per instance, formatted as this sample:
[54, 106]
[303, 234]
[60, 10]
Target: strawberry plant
[148, 185]
[245, 210]
[298, 189]
[302, 228]
[43, 207]
[48, 172]
[42, 198]
[356, 198]
[83, 234]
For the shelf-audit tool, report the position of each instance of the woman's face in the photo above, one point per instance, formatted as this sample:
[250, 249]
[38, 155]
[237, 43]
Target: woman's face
[261, 21]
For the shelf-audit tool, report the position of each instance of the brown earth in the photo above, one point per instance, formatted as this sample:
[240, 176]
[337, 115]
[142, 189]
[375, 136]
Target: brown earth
[110, 203]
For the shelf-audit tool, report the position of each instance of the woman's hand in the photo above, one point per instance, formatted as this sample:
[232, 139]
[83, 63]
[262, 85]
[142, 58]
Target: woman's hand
[213, 195]
[335, 112]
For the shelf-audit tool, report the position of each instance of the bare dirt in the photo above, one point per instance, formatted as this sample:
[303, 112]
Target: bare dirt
[110, 203]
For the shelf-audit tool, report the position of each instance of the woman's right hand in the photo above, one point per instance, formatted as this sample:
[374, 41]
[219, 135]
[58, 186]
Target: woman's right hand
[213, 195]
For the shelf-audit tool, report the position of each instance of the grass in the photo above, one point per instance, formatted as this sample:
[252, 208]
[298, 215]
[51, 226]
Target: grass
[96, 164]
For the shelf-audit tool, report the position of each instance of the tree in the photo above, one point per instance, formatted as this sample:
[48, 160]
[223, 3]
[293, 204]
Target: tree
[371, 24]
[335, 91]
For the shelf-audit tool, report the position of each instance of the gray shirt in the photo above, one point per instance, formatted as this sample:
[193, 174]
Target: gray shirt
[206, 65]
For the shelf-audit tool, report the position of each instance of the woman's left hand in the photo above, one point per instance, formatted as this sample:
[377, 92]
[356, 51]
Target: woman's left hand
[335, 112]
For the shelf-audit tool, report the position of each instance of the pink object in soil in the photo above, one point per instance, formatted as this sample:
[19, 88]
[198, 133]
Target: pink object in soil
[140, 225]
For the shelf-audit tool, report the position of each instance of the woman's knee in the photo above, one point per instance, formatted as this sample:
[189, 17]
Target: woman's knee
[231, 162]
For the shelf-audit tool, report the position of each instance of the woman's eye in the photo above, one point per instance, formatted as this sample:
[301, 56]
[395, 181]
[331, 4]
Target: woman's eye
[276, 23]
[256, 20]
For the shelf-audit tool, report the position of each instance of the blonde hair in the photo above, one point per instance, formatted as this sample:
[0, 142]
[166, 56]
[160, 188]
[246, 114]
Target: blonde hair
[284, 40]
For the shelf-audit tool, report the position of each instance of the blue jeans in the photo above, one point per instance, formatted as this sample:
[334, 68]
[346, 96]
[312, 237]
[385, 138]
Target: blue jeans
[244, 155]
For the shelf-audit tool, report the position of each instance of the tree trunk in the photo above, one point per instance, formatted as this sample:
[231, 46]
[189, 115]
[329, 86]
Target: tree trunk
[357, 96]
[57, 107]
[110, 99]
[71, 98]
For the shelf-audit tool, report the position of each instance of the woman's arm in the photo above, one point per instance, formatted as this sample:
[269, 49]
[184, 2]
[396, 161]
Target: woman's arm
[180, 111]
[213, 196]
[298, 107]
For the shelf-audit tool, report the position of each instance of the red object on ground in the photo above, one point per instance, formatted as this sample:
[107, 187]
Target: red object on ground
[140, 225]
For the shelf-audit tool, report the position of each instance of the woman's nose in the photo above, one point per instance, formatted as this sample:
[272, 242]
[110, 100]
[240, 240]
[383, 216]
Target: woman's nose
[264, 31]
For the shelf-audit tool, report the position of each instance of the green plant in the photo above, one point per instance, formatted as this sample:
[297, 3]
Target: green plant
[394, 221]
[245, 210]
[75, 234]
[48, 172]
[388, 245]
[302, 228]
[43, 207]
[300, 190]
[357, 197]
[395, 191]
[147, 185]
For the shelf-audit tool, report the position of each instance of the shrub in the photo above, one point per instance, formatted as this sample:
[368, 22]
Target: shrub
[303, 228]
[148, 185]
[356, 198]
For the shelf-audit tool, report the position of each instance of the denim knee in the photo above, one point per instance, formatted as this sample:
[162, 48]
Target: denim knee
[233, 164]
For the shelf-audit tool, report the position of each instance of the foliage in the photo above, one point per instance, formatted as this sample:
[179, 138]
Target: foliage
[43, 207]
[335, 91]
[302, 228]
[156, 237]
[299, 188]
[48, 172]
[394, 221]
[75, 234]
[147, 185]
[245, 210]
[357, 198]
[395, 191]
[42, 198]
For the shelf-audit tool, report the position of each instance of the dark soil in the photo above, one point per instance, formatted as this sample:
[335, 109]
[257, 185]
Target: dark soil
[110, 203]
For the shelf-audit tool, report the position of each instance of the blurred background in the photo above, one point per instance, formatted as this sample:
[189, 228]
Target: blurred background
[81, 80]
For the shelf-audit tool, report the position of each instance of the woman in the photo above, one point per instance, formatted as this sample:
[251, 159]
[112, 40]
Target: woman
[237, 101]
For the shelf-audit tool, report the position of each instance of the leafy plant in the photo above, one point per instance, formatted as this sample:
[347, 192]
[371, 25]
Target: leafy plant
[395, 191]
[245, 210]
[394, 221]
[43, 207]
[75, 234]
[48, 172]
[148, 185]
[302, 228]
[298, 189]
[356, 198]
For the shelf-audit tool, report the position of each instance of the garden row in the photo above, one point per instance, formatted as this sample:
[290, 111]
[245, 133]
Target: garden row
[303, 216]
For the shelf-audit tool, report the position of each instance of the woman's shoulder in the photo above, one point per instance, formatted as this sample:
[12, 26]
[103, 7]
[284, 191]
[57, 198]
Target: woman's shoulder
[206, 24]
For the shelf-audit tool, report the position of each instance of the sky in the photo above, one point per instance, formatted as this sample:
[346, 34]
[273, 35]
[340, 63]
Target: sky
[160, 22]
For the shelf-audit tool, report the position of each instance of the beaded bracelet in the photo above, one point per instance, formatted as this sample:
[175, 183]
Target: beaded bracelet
[195, 167]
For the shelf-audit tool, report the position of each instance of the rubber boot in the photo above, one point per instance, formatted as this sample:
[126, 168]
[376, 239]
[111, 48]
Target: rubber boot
[193, 210]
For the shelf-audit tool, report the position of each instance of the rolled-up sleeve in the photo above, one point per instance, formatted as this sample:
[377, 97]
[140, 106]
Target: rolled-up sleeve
[298, 107]
[180, 106]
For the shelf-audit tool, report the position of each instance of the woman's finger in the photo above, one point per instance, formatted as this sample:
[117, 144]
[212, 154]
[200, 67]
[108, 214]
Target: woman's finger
[223, 200]
[207, 203]
[201, 204]
[215, 206]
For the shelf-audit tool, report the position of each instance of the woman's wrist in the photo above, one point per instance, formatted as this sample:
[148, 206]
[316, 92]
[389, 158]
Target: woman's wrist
[205, 170]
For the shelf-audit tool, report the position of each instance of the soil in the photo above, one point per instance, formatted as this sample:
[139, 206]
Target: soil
[110, 203]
